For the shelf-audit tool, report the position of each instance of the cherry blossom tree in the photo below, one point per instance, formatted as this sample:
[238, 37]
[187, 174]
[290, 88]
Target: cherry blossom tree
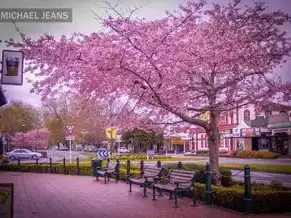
[194, 60]
[32, 139]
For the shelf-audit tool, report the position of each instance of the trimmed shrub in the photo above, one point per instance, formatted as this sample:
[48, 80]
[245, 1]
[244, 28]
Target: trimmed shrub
[263, 201]
[254, 154]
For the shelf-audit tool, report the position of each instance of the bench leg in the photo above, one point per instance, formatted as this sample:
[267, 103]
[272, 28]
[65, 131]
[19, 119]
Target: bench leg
[130, 186]
[176, 202]
[144, 192]
[194, 199]
[171, 196]
[97, 177]
[154, 193]
[160, 192]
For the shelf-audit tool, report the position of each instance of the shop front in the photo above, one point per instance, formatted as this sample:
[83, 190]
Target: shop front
[281, 138]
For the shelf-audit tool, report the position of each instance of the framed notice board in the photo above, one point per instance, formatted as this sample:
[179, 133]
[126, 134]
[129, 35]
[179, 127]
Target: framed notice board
[6, 200]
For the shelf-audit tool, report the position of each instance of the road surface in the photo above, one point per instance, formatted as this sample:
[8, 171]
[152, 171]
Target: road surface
[258, 177]
[263, 177]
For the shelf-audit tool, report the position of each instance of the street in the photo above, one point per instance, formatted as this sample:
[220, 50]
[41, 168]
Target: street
[259, 177]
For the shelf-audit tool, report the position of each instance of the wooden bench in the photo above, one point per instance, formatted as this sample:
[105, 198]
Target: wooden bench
[177, 183]
[111, 169]
[147, 178]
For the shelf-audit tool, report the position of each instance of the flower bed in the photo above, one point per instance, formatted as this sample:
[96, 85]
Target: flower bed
[253, 154]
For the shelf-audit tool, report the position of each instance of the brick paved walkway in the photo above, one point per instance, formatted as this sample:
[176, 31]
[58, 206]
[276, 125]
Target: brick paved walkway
[60, 196]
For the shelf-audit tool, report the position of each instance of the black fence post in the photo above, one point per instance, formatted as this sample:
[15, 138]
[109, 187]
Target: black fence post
[51, 165]
[159, 164]
[64, 165]
[117, 170]
[18, 162]
[208, 189]
[78, 166]
[248, 190]
[36, 165]
[127, 170]
[141, 167]
[180, 165]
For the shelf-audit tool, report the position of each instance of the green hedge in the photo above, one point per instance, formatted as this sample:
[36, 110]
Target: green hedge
[263, 201]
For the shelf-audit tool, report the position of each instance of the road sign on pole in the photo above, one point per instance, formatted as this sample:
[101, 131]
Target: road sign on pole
[70, 138]
[103, 154]
[70, 128]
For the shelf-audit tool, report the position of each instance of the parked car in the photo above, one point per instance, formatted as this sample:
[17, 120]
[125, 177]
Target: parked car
[123, 150]
[22, 154]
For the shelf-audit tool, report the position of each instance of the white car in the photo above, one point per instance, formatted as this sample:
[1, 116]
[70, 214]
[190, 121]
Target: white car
[20, 153]
[123, 150]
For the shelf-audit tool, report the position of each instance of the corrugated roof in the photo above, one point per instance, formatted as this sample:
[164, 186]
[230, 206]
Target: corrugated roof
[280, 125]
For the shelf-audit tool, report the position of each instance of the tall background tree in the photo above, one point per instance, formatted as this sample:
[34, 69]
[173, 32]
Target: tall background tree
[194, 60]
[19, 117]
[65, 110]
[142, 140]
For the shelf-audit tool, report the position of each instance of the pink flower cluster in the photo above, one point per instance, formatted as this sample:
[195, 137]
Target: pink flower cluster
[33, 139]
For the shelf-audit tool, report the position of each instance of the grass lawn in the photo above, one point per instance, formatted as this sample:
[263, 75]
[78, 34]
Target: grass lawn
[284, 169]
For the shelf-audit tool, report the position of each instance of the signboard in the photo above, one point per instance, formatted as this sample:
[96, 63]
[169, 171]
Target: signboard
[177, 141]
[150, 153]
[111, 132]
[70, 138]
[6, 200]
[12, 67]
[205, 116]
[103, 154]
[248, 132]
[236, 132]
[70, 128]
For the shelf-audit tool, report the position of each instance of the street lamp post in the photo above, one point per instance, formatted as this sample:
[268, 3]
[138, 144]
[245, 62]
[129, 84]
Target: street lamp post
[23, 125]
[36, 146]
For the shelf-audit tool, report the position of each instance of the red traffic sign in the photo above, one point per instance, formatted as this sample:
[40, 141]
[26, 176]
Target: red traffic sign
[70, 128]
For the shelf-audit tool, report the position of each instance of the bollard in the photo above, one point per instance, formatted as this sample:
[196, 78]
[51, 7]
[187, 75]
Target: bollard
[180, 165]
[36, 165]
[208, 190]
[78, 166]
[117, 170]
[248, 190]
[51, 164]
[64, 165]
[159, 164]
[18, 162]
[127, 170]
[141, 167]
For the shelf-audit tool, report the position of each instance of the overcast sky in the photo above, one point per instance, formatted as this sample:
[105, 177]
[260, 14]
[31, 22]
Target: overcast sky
[83, 21]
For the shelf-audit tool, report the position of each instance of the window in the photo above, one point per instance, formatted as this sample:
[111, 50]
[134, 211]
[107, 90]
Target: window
[231, 117]
[202, 141]
[247, 115]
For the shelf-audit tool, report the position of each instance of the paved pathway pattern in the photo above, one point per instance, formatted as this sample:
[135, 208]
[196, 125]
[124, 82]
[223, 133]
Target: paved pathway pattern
[61, 196]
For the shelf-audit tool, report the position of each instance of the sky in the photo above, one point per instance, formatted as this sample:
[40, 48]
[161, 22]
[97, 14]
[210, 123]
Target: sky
[83, 21]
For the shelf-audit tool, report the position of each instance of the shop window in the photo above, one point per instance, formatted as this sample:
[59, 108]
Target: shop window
[263, 144]
[247, 115]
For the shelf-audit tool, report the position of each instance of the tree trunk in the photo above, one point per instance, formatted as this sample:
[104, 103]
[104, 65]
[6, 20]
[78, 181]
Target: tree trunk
[213, 145]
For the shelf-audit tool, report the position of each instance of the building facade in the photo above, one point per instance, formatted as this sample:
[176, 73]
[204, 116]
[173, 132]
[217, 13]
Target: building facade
[265, 127]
